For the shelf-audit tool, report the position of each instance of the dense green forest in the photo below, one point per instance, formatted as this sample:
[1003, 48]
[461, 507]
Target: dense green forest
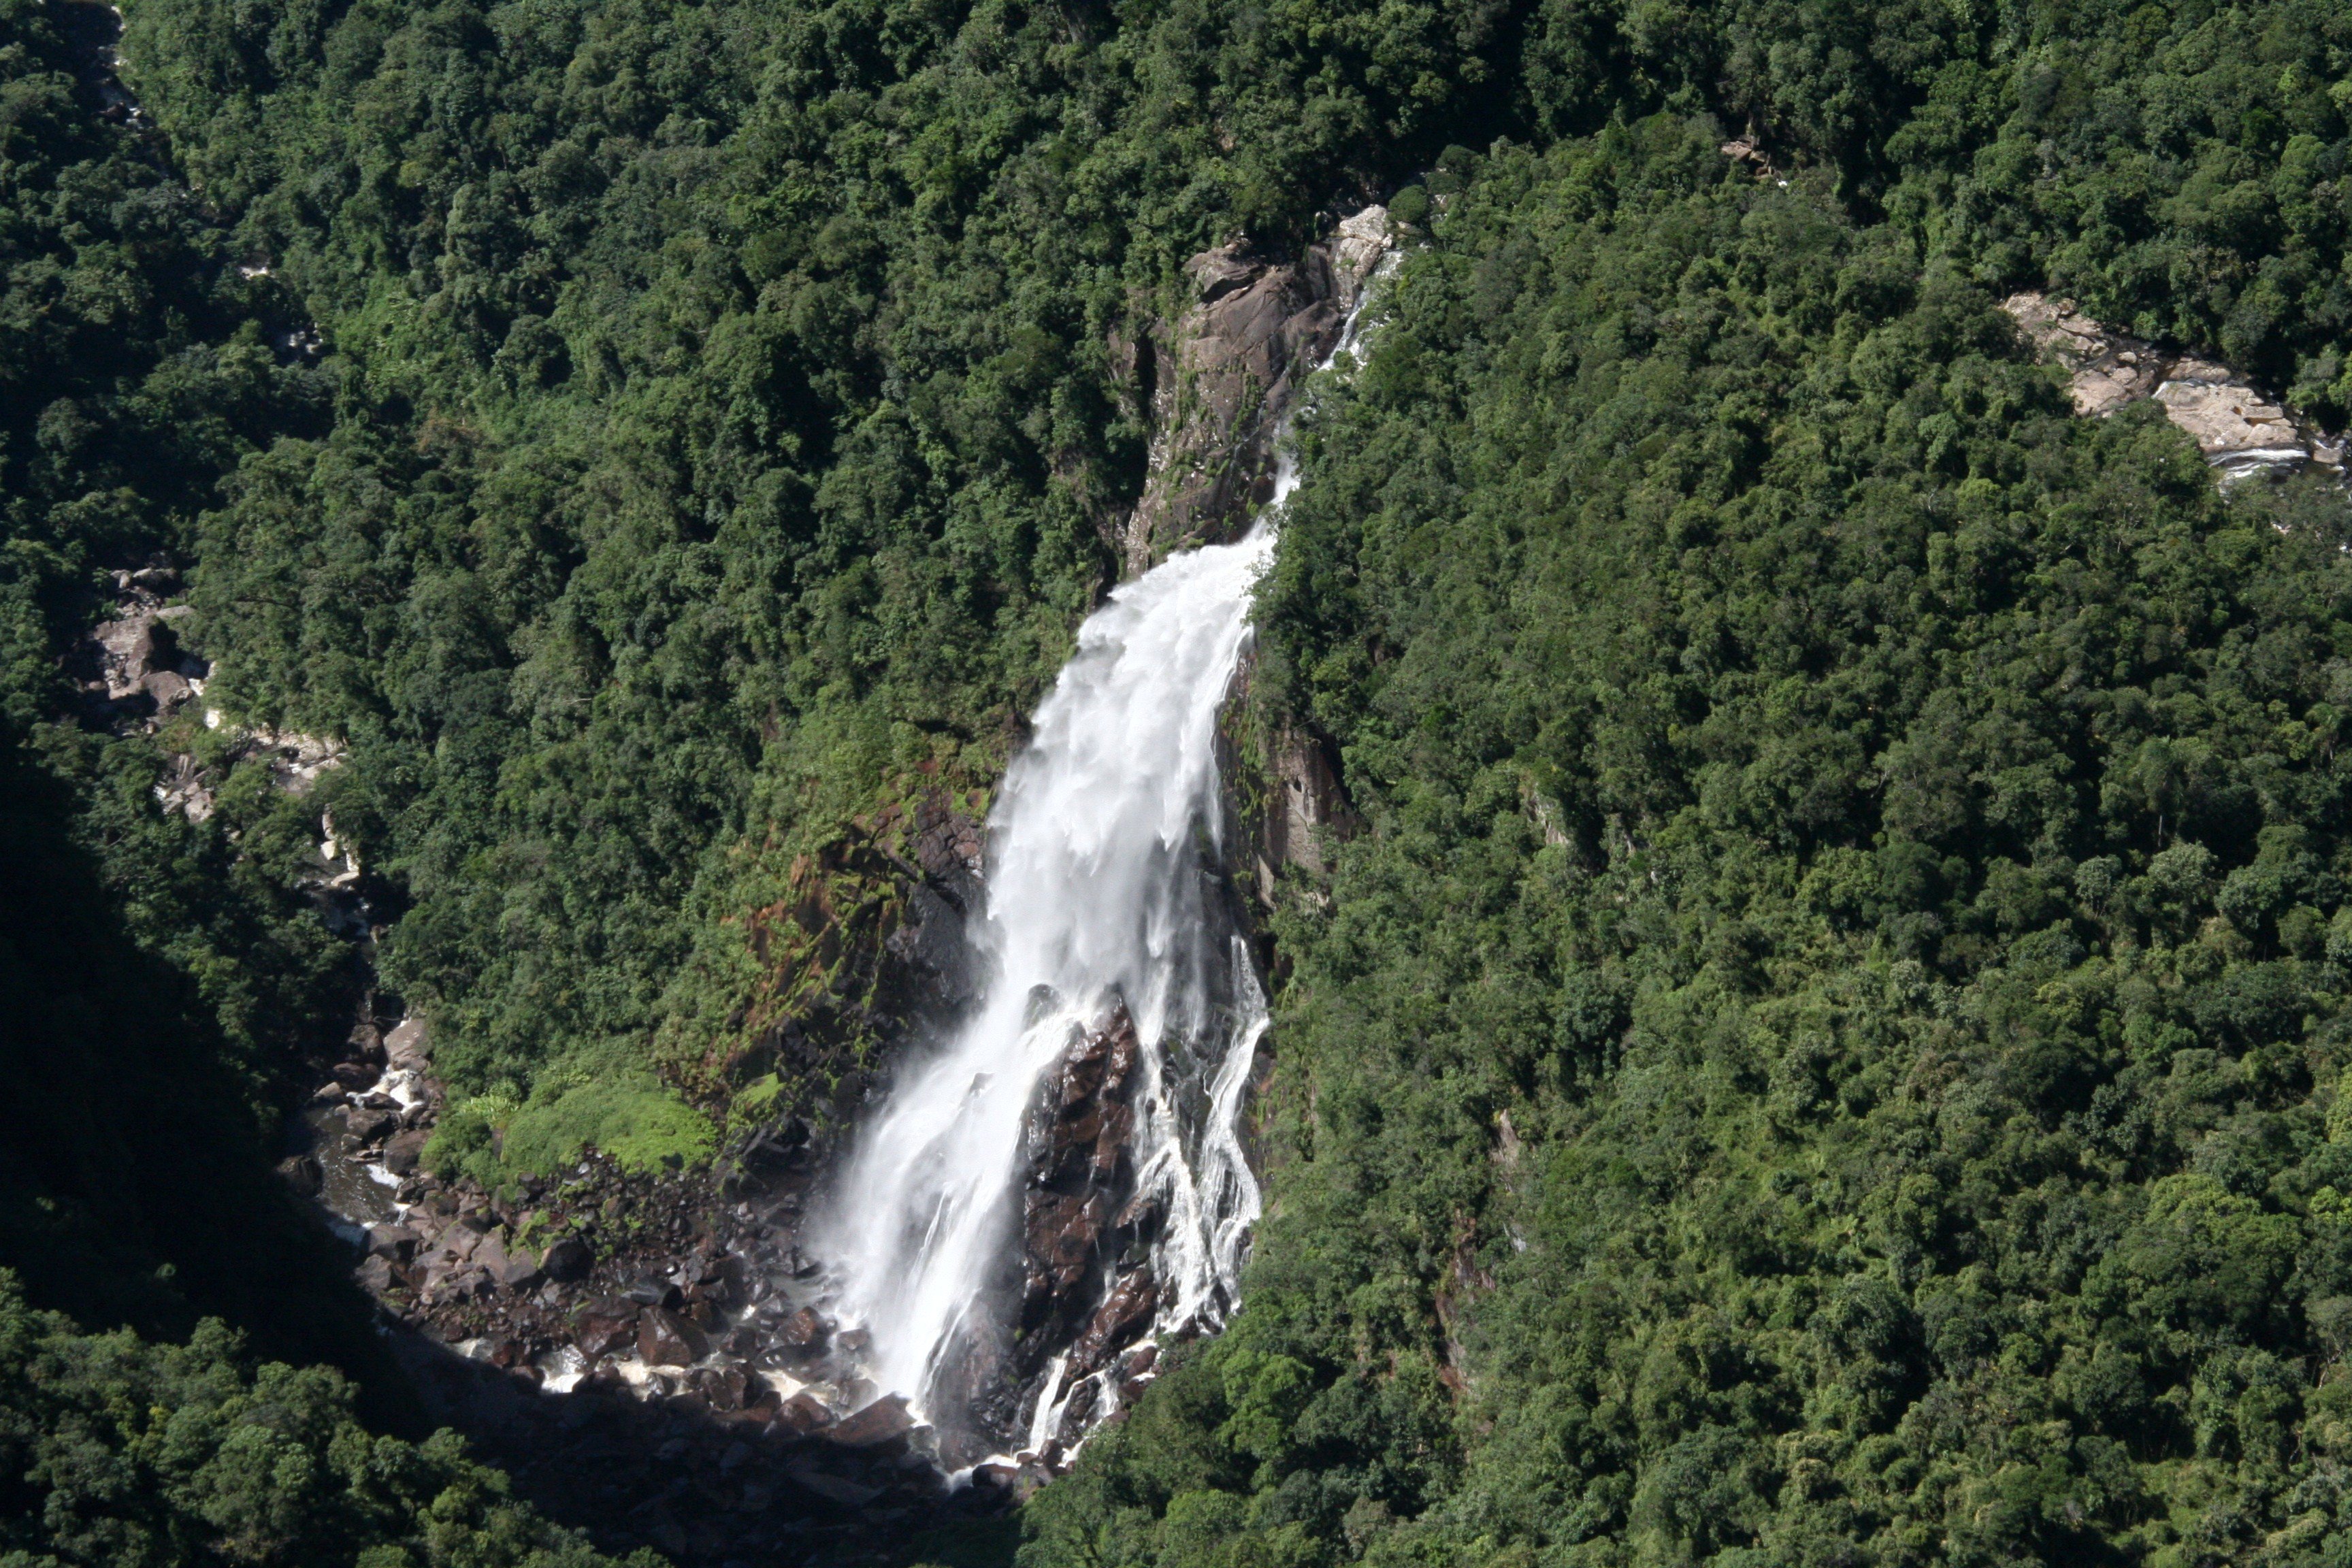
[1827, 1047]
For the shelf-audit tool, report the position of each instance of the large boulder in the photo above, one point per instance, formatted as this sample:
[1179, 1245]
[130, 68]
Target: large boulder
[404, 1151]
[367, 1125]
[804, 1412]
[567, 1260]
[878, 1423]
[666, 1339]
[406, 1045]
[519, 1271]
[606, 1328]
[396, 1242]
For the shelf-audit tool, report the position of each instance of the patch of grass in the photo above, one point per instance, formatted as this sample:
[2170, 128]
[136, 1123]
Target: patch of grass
[640, 1126]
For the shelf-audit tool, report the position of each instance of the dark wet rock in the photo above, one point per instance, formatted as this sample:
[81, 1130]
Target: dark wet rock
[804, 1412]
[404, 1151]
[1060, 1237]
[878, 1423]
[1124, 1315]
[1078, 1141]
[367, 1125]
[375, 1274]
[302, 1173]
[656, 1293]
[396, 1242]
[803, 1329]
[356, 1075]
[666, 1339]
[723, 1388]
[606, 1329]
[567, 1260]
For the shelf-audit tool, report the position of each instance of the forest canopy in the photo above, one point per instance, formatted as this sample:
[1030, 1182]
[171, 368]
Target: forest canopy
[1827, 1046]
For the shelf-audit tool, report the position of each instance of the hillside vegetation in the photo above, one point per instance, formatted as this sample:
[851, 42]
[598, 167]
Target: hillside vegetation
[1826, 1049]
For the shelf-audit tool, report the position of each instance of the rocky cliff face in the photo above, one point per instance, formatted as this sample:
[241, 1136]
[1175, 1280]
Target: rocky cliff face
[1230, 368]
[1307, 805]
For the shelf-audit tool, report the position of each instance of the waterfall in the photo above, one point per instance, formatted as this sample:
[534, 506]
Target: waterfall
[1107, 902]
[1100, 895]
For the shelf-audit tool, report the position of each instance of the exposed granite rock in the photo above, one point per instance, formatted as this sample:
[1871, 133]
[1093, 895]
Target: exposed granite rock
[2237, 429]
[1255, 327]
[1309, 805]
[2240, 431]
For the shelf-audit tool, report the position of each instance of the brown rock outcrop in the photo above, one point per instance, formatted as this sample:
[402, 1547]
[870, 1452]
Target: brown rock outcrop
[1078, 1139]
[1234, 361]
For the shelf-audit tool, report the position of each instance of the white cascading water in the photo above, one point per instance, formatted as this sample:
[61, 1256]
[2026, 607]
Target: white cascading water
[1104, 876]
[1097, 895]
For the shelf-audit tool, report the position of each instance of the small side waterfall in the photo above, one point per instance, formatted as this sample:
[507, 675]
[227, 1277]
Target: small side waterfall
[1122, 1016]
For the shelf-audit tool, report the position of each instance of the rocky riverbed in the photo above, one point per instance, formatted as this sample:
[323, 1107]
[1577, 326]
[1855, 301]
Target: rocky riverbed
[648, 1355]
